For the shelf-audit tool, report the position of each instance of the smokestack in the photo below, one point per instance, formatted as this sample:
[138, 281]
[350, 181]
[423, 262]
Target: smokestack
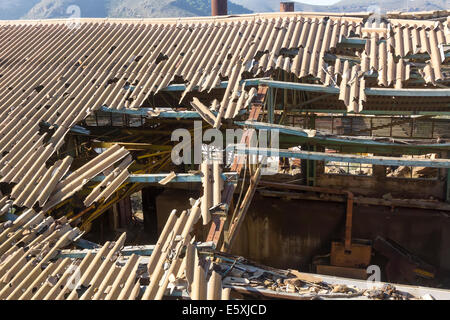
[286, 6]
[219, 7]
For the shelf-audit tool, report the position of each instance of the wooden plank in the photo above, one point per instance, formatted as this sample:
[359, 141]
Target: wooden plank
[240, 217]
[204, 111]
[344, 272]
[255, 113]
[218, 221]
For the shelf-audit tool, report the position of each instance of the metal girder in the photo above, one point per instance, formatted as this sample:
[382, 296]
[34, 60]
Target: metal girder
[126, 251]
[74, 129]
[369, 91]
[179, 178]
[167, 114]
[131, 146]
[322, 156]
[222, 85]
[304, 136]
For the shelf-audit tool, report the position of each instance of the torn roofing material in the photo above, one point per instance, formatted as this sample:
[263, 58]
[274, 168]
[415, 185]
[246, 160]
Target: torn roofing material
[49, 186]
[28, 249]
[76, 180]
[120, 63]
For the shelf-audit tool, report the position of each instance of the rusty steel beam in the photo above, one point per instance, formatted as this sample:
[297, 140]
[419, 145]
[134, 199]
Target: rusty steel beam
[219, 7]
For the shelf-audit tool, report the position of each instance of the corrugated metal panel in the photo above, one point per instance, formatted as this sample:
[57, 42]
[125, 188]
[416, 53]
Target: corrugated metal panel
[107, 62]
[30, 268]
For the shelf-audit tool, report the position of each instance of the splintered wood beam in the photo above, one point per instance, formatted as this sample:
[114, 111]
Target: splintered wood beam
[240, 217]
[218, 221]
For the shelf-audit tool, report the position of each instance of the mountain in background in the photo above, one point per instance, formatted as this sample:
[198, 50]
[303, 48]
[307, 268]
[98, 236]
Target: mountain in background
[350, 5]
[46, 9]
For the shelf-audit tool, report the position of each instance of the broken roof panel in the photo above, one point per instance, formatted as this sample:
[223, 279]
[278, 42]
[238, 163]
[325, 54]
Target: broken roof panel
[110, 62]
[77, 179]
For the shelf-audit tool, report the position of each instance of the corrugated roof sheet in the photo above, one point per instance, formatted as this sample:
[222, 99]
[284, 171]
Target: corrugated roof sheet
[77, 179]
[58, 72]
[28, 248]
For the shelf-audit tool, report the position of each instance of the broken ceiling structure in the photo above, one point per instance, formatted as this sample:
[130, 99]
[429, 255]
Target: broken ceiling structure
[58, 77]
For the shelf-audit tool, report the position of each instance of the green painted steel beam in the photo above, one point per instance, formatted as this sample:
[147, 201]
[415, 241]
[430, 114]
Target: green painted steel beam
[180, 177]
[369, 91]
[289, 141]
[339, 157]
[222, 85]
[301, 136]
[168, 114]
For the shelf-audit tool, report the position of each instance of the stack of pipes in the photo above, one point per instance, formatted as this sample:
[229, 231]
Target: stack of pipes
[203, 289]
[212, 187]
[169, 258]
[176, 259]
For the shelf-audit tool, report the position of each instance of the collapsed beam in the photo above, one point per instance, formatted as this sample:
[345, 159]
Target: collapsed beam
[322, 156]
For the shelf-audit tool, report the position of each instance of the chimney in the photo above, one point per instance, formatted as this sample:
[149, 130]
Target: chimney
[219, 7]
[286, 6]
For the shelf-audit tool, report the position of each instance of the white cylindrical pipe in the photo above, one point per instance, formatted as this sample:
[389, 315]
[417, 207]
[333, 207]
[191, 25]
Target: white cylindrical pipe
[214, 286]
[199, 283]
[218, 183]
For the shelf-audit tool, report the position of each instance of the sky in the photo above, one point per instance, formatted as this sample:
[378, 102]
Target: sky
[319, 2]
